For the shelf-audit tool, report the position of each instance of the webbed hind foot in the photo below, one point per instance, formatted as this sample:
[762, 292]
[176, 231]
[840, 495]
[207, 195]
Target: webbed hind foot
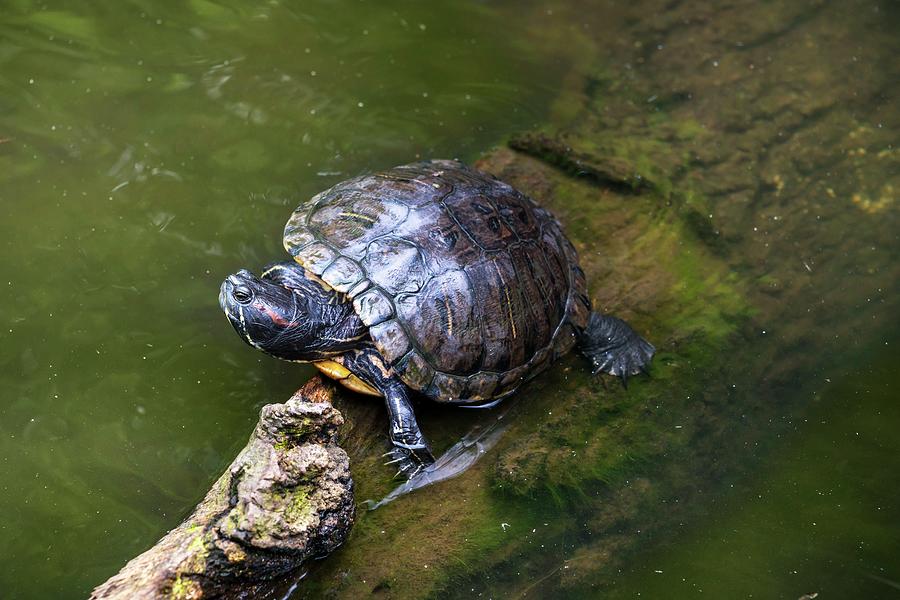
[614, 347]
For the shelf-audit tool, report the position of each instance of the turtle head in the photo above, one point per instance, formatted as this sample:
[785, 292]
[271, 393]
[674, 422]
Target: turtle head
[290, 314]
[267, 315]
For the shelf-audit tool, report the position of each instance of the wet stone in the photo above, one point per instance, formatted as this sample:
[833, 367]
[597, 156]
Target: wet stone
[287, 498]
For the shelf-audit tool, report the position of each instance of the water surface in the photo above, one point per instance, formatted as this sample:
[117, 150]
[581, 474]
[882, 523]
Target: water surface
[147, 149]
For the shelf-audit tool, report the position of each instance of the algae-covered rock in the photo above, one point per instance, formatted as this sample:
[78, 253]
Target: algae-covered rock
[287, 497]
[604, 169]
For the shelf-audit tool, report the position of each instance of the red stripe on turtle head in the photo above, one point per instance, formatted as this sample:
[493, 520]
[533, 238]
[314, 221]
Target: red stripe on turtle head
[276, 318]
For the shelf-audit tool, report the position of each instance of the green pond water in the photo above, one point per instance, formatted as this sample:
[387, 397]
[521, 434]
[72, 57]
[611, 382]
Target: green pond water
[817, 517]
[148, 149]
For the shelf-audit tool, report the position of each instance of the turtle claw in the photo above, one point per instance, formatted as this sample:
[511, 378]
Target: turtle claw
[411, 460]
[407, 474]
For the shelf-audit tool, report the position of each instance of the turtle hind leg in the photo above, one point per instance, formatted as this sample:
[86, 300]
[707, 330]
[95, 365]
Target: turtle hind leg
[614, 347]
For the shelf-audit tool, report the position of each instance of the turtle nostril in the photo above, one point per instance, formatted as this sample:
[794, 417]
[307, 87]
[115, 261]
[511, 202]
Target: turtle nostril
[242, 294]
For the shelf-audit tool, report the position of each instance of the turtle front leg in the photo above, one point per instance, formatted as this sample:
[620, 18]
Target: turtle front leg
[410, 453]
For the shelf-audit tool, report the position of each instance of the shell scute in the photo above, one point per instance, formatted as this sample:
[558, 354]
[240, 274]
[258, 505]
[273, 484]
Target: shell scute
[316, 257]
[447, 387]
[343, 274]
[536, 329]
[481, 386]
[356, 219]
[443, 243]
[481, 221]
[518, 214]
[394, 341]
[501, 313]
[297, 235]
[417, 372]
[411, 186]
[373, 307]
[468, 287]
[512, 379]
[442, 318]
[359, 288]
[396, 265]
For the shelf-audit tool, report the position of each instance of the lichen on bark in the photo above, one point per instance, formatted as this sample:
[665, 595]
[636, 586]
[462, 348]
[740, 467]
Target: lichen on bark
[286, 498]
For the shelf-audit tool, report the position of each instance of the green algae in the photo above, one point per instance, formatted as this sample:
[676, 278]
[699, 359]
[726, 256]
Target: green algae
[610, 435]
[183, 588]
[199, 547]
[569, 447]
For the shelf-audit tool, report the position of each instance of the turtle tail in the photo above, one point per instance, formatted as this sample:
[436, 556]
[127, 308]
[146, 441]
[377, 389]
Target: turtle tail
[614, 347]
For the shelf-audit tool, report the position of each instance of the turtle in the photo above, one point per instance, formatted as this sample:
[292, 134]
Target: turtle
[429, 279]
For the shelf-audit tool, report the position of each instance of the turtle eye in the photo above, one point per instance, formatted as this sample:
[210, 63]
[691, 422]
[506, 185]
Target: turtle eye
[242, 294]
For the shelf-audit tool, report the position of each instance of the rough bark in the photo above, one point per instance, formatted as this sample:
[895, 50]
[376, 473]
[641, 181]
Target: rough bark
[287, 497]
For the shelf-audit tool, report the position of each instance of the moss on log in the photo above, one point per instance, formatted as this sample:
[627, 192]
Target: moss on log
[287, 497]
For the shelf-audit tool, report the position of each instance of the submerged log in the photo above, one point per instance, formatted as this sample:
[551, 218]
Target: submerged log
[287, 497]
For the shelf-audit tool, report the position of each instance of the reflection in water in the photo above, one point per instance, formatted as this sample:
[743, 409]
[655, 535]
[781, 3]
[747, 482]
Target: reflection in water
[456, 459]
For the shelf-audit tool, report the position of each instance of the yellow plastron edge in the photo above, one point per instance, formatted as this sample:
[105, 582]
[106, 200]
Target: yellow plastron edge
[341, 374]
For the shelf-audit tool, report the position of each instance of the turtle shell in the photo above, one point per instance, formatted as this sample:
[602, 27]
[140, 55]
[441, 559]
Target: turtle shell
[468, 287]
